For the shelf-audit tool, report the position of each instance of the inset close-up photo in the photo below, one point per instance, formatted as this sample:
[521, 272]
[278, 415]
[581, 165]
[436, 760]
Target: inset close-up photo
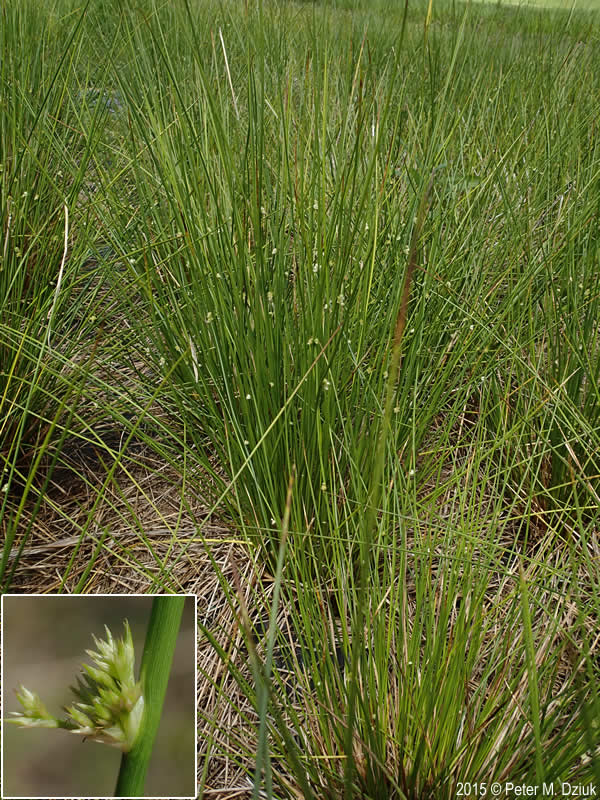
[98, 696]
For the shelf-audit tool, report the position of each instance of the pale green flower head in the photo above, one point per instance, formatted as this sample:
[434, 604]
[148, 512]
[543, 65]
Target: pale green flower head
[110, 703]
[34, 714]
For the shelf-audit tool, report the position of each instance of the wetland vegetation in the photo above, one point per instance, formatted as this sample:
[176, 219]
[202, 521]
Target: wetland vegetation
[300, 311]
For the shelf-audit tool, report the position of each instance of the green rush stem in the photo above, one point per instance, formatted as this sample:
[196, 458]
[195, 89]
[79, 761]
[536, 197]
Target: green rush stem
[159, 647]
[375, 486]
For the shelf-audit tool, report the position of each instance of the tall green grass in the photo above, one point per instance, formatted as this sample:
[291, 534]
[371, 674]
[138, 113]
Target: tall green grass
[55, 312]
[356, 250]
[37, 192]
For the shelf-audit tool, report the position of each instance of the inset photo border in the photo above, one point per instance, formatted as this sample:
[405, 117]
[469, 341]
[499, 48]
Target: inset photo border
[76, 711]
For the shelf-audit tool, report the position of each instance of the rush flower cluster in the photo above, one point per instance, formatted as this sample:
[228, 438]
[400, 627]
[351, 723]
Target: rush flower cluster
[109, 703]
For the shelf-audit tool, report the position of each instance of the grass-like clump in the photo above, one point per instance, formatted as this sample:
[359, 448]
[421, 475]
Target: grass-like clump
[335, 266]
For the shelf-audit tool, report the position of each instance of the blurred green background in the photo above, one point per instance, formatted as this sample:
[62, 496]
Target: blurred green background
[43, 646]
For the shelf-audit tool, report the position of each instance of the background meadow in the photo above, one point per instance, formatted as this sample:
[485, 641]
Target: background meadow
[299, 311]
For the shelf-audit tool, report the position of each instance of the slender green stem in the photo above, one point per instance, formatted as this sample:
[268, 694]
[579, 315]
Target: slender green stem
[159, 647]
